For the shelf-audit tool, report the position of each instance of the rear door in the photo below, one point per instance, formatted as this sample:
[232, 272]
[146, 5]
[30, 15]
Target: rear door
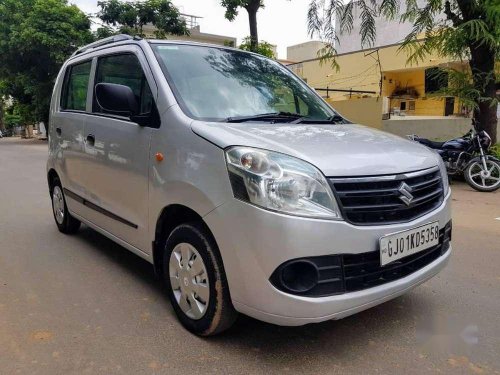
[118, 152]
[67, 127]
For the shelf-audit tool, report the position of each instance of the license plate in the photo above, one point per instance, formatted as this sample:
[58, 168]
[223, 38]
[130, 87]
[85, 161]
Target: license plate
[402, 244]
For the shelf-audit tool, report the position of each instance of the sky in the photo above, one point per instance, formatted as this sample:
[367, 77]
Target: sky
[281, 22]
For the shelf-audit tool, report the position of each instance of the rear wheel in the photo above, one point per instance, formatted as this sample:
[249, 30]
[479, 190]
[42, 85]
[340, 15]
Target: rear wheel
[483, 179]
[196, 281]
[65, 222]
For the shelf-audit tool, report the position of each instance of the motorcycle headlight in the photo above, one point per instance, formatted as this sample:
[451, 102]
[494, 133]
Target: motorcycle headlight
[444, 174]
[280, 183]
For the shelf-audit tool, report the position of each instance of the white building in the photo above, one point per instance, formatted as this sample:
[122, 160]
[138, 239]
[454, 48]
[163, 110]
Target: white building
[389, 32]
[195, 33]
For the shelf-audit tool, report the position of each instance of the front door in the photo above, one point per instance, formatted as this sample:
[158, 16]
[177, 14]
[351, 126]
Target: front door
[449, 106]
[118, 154]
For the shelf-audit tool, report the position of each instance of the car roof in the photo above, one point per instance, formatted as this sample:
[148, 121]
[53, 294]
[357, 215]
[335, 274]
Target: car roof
[123, 39]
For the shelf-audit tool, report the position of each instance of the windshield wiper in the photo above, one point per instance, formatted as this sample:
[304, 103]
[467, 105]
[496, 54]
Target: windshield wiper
[266, 116]
[335, 119]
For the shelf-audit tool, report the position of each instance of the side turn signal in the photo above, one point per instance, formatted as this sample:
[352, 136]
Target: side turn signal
[159, 156]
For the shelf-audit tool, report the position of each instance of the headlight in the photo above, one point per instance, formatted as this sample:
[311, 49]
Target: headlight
[444, 174]
[280, 183]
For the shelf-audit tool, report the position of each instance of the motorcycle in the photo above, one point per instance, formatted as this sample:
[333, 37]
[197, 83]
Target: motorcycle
[5, 133]
[467, 156]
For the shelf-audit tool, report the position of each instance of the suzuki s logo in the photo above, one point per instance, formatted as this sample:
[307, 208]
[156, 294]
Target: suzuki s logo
[406, 195]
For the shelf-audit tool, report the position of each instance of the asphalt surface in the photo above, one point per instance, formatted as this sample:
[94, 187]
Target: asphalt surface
[82, 304]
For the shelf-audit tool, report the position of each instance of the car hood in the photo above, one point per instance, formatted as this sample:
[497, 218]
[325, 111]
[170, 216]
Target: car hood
[337, 150]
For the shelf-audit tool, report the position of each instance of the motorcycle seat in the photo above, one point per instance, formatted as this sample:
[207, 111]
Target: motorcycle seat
[429, 143]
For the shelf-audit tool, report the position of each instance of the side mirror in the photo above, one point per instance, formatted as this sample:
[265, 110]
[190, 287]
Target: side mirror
[117, 98]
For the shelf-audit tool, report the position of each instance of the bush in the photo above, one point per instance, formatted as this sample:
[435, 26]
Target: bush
[495, 150]
[12, 120]
[263, 48]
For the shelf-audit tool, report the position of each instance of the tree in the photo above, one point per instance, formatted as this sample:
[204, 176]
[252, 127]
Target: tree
[2, 109]
[468, 29]
[252, 7]
[263, 48]
[36, 37]
[12, 118]
[130, 17]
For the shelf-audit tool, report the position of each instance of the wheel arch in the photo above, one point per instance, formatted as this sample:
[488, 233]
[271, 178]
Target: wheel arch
[170, 217]
[51, 176]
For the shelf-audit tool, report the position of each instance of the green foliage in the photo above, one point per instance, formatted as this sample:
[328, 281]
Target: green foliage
[450, 36]
[130, 17]
[495, 150]
[460, 84]
[36, 37]
[12, 117]
[12, 120]
[252, 7]
[453, 36]
[232, 6]
[263, 48]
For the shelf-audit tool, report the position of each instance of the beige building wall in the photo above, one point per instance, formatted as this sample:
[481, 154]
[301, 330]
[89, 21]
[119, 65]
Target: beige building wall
[362, 71]
[441, 129]
[360, 111]
[422, 104]
[357, 70]
[304, 51]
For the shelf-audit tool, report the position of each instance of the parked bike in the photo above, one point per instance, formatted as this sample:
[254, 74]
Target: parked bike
[5, 133]
[467, 156]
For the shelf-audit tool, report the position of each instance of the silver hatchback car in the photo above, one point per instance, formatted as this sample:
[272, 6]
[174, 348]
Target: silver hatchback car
[244, 188]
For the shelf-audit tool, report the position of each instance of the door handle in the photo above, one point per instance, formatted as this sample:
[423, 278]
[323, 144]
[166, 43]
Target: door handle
[91, 139]
[58, 131]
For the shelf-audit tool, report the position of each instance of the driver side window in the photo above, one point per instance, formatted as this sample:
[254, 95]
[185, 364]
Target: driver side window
[124, 69]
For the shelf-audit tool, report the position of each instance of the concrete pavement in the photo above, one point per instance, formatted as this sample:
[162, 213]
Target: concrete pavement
[82, 304]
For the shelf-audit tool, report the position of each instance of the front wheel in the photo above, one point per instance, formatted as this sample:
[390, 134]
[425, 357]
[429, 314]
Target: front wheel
[196, 281]
[482, 179]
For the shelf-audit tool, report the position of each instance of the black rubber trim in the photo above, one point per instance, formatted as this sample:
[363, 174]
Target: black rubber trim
[97, 208]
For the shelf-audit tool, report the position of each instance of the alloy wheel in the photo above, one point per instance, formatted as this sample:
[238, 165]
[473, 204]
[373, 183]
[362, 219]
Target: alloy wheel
[485, 178]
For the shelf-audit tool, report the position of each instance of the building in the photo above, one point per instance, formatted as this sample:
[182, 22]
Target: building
[304, 51]
[195, 33]
[388, 31]
[381, 73]
[377, 87]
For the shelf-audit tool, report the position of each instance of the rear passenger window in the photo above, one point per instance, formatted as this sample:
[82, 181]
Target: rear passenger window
[75, 87]
[124, 70]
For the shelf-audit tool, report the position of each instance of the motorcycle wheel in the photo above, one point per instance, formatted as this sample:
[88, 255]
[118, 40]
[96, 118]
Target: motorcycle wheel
[483, 180]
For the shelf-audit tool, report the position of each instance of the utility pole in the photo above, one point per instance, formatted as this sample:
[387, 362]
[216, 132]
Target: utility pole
[379, 68]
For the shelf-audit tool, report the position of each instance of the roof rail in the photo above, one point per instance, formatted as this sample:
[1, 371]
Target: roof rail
[102, 42]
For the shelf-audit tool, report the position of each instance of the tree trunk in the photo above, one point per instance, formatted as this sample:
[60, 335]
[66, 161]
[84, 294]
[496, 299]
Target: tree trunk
[482, 64]
[252, 10]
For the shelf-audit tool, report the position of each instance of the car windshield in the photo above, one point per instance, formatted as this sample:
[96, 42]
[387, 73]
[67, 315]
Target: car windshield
[219, 84]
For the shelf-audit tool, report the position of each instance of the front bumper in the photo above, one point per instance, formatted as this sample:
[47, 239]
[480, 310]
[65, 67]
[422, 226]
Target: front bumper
[254, 242]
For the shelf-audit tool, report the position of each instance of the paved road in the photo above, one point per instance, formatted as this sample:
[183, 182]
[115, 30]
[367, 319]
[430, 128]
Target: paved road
[81, 304]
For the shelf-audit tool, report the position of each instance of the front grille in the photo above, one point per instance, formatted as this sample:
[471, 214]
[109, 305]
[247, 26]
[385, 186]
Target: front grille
[380, 200]
[345, 273]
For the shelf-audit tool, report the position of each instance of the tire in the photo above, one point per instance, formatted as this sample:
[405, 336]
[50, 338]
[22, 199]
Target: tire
[474, 175]
[197, 288]
[66, 223]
